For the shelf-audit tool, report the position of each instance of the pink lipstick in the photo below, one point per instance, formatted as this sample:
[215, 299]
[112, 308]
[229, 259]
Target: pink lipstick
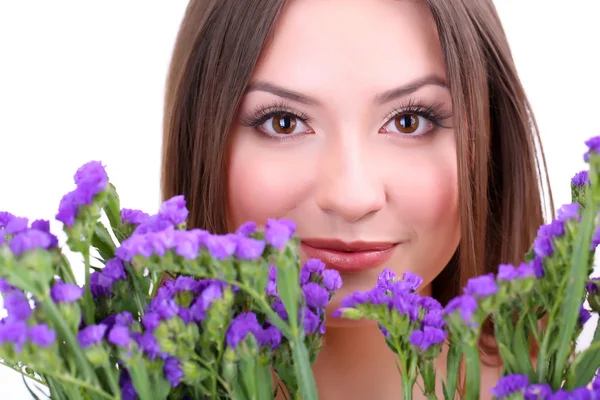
[348, 256]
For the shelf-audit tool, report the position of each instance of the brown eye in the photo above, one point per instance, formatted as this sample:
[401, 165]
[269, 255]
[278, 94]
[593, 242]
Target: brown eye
[284, 124]
[407, 123]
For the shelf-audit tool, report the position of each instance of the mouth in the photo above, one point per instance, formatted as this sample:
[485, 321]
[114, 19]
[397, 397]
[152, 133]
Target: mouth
[349, 256]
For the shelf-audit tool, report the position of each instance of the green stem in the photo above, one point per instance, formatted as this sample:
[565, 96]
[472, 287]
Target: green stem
[82, 384]
[114, 386]
[274, 318]
[213, 373]
[24, 374]
[89, 309]
[70, 339]
[473, 372]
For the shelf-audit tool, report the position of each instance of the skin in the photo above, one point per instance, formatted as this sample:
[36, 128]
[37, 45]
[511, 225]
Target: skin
[353, 171]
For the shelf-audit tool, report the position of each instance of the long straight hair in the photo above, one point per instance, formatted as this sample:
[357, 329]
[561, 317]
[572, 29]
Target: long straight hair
[500, 171]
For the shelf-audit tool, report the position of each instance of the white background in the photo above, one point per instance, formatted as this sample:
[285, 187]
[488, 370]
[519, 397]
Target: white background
[85, 80]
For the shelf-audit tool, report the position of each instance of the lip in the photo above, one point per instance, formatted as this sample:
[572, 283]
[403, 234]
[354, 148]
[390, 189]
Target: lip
[349, 256]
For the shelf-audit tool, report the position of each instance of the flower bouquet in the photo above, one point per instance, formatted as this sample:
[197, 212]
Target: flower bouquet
[167, 312]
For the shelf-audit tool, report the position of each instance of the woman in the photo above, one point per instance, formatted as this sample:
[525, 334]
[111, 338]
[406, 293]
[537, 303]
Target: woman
[394, 133]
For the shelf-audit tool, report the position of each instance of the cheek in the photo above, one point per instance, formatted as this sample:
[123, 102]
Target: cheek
[263, 184]
[427, 203]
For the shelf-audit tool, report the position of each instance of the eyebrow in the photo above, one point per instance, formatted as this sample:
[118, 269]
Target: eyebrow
[382, 98]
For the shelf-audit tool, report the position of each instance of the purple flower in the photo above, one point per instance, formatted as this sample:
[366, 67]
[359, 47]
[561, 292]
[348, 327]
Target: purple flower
[280, 309]
[592, 287]
[30, 240]
[16, 225]
[427, 337]
[174, 210]
[154, 223]
[65, 292]
[538, 391]
[41, 335]
[593, 145]
[434, 318]
[510, 384]
[5, 286]
[249, 248]
[481, 286]
[186, 245]
[17, 306]
[581, 178]
[269, 337]
[133, 217]
[560, 394]
[100, 284]
[466, 304]
[127, 389]
[407, 304]
[506, 272]
[147, 342]
[114, 269]
[122, 319]
[316, 295]
[133, 246]
[92, 174]
[568, 211]
[538, 267]
[354, 299]
[581, 393]
[271, 288]
[314, 266]
[311, 321]
[526, 270]
[173, 372]
[68, 207]
[5, 218]
[14, 332]
[240, 327]
[91, 334]
[379, 296]
[221, 246]
[278, 232]
[44, 226]
[429, 303]
[151, 320]
[200, 306]
[413, 280]
[385, 278]
[584, 315]
[332, 280]
[119, 336]
[246, 229]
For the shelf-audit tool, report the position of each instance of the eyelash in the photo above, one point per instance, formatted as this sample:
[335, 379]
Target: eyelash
[436, 114]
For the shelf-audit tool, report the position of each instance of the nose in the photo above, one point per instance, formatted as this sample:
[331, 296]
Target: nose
[349, 183]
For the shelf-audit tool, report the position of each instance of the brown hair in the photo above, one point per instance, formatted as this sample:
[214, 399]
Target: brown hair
[217, 48]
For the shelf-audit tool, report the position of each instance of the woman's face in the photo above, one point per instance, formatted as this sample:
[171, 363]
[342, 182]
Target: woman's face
[346, 129]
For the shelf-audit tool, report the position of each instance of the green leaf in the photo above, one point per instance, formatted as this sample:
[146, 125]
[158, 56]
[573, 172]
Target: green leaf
[31, 392]
[452, 368]
[265, 381]
[303, 369]
[288, 285]
[575, 289]
[141, 380]
[521, 349]
[586, 363]
[508, 359]
[62, 328]
[102, 241]
[113, 207]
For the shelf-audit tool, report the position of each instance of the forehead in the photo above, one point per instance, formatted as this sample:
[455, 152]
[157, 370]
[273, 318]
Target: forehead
[364, 44]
